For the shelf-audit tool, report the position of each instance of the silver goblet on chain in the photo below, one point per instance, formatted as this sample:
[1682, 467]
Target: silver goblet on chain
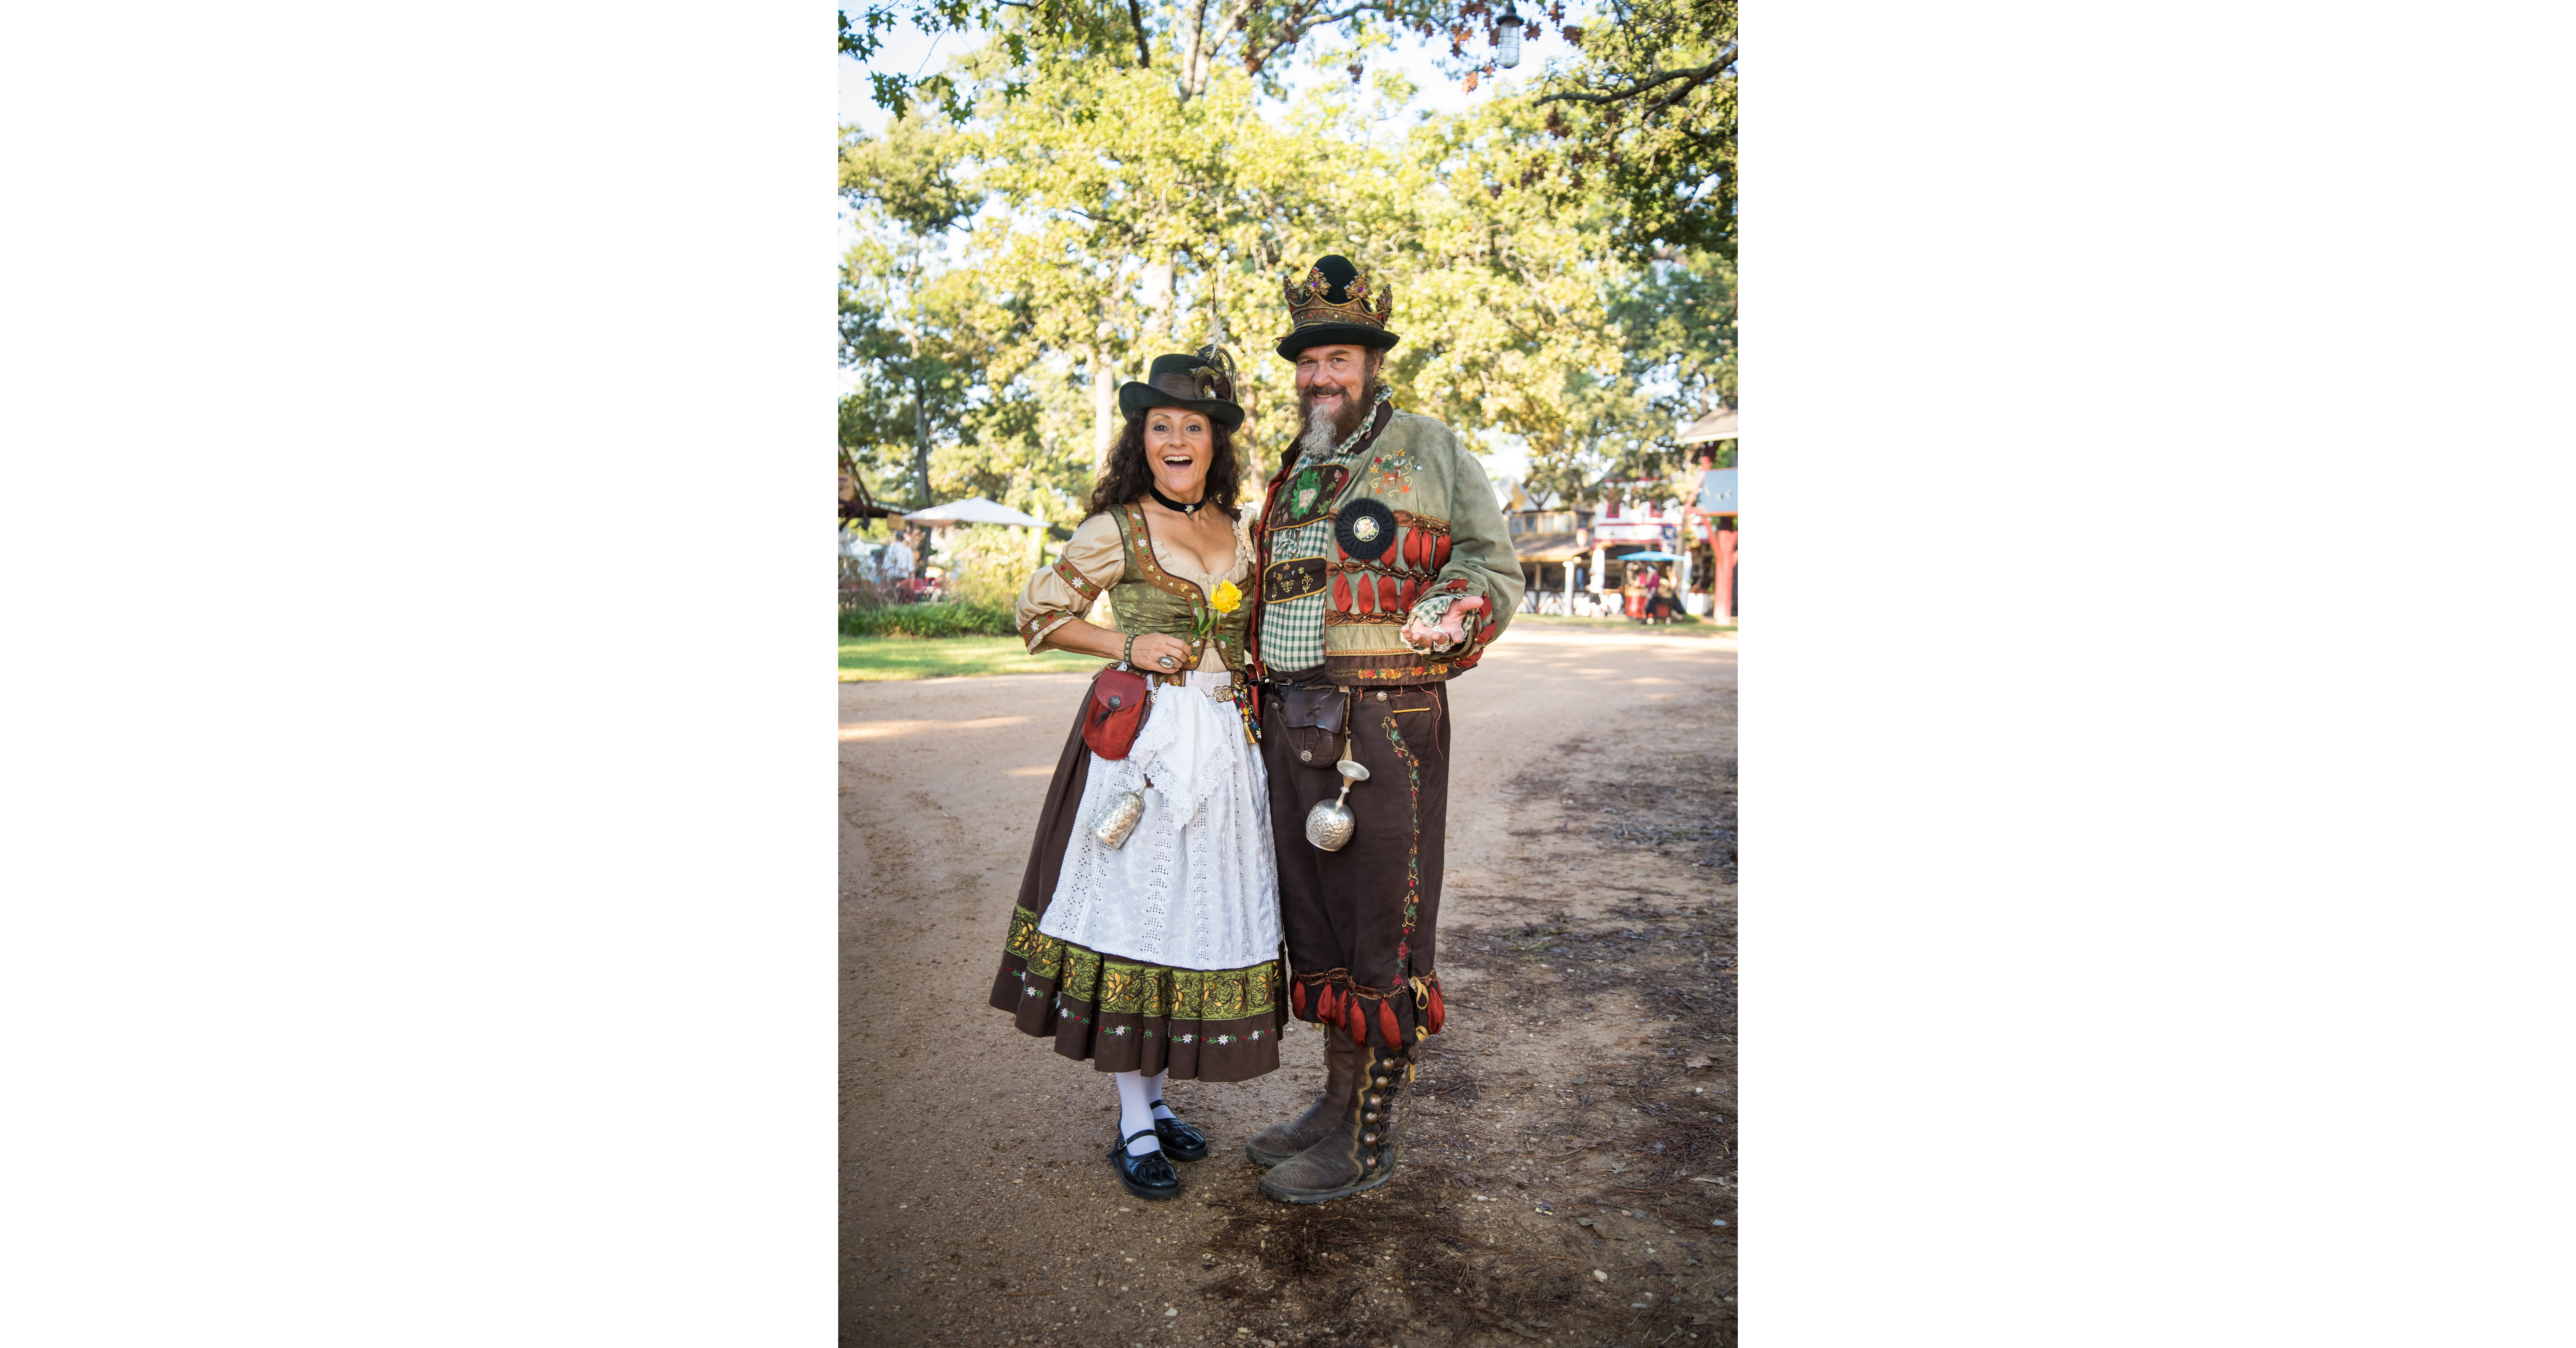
[1330, 824]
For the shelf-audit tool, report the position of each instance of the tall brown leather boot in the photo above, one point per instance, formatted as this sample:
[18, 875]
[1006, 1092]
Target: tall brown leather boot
[1280, 1141]
[1361, 1151]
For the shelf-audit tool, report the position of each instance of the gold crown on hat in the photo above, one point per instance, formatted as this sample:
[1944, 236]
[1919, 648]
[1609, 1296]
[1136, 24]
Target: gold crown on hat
[1366, 301]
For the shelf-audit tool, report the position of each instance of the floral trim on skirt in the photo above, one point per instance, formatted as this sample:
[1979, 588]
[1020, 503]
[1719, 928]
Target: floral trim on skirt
[1127, 1016]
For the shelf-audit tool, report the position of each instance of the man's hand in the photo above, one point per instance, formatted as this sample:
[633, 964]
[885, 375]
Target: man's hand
[1450, 630]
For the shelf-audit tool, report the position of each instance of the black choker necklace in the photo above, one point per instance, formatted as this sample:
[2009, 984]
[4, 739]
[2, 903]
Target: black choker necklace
[1192, 508]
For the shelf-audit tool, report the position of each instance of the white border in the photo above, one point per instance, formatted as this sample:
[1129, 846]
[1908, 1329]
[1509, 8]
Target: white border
[2155, 709]
[420, 829]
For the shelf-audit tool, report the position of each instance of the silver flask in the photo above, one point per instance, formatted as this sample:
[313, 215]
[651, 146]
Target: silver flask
[1117, 819]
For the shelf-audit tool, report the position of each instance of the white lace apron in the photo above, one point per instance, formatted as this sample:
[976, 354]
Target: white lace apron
[1196, 886]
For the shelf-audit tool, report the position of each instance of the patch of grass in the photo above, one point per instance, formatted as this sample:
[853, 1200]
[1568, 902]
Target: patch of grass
[1682, 625]
[876, 659]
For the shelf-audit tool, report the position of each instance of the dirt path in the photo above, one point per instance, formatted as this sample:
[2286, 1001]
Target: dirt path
[1569, 1171]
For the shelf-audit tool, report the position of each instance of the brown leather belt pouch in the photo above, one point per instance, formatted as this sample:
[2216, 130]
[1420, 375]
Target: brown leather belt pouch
[1312, 724]
[1114, 711]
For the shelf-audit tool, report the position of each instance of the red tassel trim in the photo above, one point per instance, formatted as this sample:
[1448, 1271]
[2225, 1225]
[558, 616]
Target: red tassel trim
[1363, 595]
[1440, 553]
[1386, 1024]
[1297, 999]
[1389, 592]
[1327, 1005]
[1436, 1010]
[1354, 1020]
[1341, 593]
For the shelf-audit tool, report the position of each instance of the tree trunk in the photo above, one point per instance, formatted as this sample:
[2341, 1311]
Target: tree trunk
[920, 394]
[1256, 468]
[1156, 338]
[1215, 271]
[1104, 406]
[1192, 45]
[920, 434]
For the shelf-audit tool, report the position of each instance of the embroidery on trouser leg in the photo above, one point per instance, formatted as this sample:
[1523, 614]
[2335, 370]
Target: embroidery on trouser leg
[1413, 845]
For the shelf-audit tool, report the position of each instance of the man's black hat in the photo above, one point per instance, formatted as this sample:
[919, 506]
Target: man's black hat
[1203, 383]
[1336, 306]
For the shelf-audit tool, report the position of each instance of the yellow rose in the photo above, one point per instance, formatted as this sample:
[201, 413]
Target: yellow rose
[1226, 599]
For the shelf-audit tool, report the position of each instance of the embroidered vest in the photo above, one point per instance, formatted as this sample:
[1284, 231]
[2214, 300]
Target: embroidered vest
[1148, 598]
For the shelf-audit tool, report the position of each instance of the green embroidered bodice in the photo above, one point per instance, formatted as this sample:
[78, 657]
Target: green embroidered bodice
[1148, 598]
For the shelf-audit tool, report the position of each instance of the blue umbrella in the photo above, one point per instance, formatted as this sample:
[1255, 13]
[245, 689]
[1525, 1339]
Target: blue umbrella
[1648, 557]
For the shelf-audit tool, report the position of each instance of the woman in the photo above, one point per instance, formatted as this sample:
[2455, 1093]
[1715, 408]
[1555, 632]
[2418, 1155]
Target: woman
[1658, 605]
[1160, 957]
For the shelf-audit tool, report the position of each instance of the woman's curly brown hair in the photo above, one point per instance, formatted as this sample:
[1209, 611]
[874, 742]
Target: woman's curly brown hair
[1127, 476]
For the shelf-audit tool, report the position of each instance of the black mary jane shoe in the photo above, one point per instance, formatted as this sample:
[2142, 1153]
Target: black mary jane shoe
[1148, 1176]
[1180, 1141]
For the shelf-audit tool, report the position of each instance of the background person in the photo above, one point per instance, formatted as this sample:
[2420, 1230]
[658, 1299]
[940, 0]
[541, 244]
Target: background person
[895, 561]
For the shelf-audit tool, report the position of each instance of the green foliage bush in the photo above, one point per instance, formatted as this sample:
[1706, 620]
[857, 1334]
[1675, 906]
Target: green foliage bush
[987, 565]
[954, 619]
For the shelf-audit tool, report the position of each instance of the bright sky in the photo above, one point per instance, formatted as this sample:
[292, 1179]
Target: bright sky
[909, 51]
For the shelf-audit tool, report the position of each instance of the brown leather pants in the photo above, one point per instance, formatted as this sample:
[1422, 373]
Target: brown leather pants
[1361, 922]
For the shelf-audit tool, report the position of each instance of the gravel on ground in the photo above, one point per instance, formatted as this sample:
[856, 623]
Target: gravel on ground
[1569, 1169]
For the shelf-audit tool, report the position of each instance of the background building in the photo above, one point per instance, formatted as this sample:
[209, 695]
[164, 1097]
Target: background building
[1712, 517]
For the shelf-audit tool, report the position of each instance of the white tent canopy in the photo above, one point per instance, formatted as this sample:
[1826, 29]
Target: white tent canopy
[1719, 424]
[974, 510]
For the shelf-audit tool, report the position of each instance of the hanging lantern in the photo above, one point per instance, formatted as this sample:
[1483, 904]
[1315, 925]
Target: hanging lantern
[1507, 48]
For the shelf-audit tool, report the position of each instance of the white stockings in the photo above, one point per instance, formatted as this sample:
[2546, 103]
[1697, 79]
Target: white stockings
[1140, 1103]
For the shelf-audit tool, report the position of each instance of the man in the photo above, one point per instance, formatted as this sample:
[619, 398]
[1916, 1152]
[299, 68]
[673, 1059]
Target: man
[895, 563]
[1385, 569]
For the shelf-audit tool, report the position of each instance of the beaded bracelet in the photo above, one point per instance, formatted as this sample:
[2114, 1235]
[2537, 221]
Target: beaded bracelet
[1128, 656]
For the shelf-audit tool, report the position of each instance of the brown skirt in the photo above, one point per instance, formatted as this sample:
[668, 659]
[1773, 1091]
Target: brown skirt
[1126, 1015]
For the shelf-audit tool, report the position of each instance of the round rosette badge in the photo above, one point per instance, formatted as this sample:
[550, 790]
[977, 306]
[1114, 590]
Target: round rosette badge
[1365, 528]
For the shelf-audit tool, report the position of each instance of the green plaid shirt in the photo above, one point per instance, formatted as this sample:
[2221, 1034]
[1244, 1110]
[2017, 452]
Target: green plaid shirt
[1292, 631]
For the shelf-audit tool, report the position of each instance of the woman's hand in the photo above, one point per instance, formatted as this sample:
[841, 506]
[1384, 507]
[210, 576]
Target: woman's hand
[1109, 643]
[1162, 652]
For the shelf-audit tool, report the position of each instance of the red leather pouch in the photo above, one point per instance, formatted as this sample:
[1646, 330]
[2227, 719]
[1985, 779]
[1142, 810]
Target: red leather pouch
[1114, 711]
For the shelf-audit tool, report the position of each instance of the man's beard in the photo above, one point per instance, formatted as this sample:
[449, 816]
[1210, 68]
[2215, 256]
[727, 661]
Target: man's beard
[1322, 434]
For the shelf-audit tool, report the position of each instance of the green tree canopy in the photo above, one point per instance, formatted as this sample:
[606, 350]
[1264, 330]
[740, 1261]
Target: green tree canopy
[1077, 205]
